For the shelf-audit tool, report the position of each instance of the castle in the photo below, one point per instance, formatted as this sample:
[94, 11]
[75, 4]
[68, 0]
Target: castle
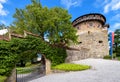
[92, 32]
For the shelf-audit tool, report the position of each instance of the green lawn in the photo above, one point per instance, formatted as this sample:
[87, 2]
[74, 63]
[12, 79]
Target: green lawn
[71, 67]
[24, 70]
[29, 68]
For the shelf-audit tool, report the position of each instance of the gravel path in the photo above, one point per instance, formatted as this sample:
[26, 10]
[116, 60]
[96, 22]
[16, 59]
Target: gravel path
[101, 71]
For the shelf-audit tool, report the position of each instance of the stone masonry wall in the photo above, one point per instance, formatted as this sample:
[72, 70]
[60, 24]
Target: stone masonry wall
[93, 43]
[12, 77]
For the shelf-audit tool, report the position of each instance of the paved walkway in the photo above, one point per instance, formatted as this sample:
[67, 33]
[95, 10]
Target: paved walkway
[101, 71]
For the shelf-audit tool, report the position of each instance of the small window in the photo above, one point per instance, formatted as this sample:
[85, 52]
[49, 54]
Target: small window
[99, 26]
[80, 42]
[90, 24]
[100, 41]
[88, 32]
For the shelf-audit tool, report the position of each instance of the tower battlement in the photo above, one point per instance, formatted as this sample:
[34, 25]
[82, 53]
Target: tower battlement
[92, 32]
[89, 17]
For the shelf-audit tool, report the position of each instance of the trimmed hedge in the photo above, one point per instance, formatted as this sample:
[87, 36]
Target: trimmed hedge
[7, 58]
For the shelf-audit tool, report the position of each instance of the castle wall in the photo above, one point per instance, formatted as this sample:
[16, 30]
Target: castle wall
[93, 42]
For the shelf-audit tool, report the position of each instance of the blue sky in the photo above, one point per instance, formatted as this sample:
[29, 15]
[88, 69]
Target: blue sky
[109, 8]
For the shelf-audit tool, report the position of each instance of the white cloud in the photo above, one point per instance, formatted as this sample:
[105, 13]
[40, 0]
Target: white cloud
[70, 3]
[3, 31]
[2, 11]
[116, 26]
[106, 8]
[3, 22]
[111, 5]
[110, 31]
[100, 3]
[106, 1]
[116, 18]
[3, 1]
[116, 6]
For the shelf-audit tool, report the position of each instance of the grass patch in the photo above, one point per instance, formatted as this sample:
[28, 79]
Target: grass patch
[71, 67]
[27, 69]
[107, 57]
[2, 78]
[24, 70]
[118, 58]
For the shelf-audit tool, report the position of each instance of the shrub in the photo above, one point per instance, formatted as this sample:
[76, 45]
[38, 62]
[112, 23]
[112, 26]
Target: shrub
[2, 78]
[7, 58]
[56, 55]
[25, 49]
[118, 58]
[107, 57]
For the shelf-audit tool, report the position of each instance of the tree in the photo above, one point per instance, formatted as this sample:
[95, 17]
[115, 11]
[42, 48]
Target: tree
[22, 50]
[2, 26]
[117, 41]
[53, 23]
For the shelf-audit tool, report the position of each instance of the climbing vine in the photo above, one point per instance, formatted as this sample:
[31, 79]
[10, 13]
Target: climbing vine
[13, 51]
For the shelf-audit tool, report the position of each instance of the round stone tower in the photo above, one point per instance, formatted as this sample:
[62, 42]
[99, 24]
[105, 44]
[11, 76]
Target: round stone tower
[92, 37]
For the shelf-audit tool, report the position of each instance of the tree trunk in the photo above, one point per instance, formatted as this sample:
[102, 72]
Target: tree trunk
[22, 63]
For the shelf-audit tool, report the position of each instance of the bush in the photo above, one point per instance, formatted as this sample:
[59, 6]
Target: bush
[2, 78]
[118, 58]
[7, 58]
[56, 55]
[71, 67]
[118, 52]
[25, 49]
[107, 57]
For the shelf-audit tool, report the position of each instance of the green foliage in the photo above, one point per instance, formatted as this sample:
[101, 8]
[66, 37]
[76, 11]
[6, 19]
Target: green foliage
[53, 23]
[26, 49]
[117, 42]
[25, 70]
[118, 51]
[107, 57]
[118, 58]
[55, 54]
[28, 69]
[29, 47]
[3, 78]
[71, 67]
[7, 58]
[2, 26]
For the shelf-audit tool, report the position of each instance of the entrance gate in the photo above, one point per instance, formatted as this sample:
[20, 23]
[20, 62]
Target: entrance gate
[26, 74]
[29, 73]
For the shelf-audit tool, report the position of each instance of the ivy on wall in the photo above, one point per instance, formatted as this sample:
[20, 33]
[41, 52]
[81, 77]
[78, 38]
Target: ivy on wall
[13, 51]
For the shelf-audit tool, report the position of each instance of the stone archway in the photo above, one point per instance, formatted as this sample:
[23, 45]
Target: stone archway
[45, 65]
[42, 68]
